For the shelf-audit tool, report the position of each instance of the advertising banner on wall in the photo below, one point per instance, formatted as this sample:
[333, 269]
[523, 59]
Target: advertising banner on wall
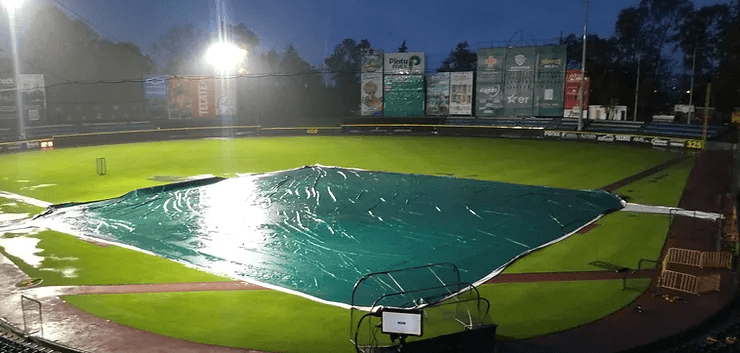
[519, 75]
[403, 95]
[371, 88]
[8, 103]
[225, 98]
[489, 99]
[461, 93]
[372, 61]
[403, 63]
[438, 93]
[155, 86]
[572, 86]
[550, 81]
[34, 97]
[192, 97]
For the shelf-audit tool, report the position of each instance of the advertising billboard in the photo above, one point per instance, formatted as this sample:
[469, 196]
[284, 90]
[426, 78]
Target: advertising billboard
[372, 61]
[403, 95]
[34, 97]
[371, 89]
[438, 93]
[192, 97]
[8, 103]
[489, 99]
[572, 86]
[155, 86]
[519, 81]
[461, 93]
[225, 98]
[550, 81]
[403, 63]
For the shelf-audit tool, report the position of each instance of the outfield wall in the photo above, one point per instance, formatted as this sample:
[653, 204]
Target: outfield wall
[517, 132]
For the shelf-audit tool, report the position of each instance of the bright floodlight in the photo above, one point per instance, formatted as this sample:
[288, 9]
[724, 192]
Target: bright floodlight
[225, 56]
[11, 4]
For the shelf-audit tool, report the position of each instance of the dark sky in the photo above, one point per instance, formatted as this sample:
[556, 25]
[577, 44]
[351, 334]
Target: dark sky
[314, 27]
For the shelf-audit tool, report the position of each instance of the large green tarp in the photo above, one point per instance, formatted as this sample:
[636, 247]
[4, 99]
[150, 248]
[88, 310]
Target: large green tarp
[316, 230]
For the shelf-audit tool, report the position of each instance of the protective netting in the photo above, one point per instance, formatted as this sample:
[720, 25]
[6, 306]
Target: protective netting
[317, 230]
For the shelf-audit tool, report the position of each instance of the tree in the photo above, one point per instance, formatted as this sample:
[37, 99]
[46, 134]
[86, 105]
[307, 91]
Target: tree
[460, 59]
[344, 64]
[403, 48]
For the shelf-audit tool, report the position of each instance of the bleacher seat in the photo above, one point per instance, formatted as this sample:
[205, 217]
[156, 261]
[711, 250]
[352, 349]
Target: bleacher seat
[624, 127]
[694, 131]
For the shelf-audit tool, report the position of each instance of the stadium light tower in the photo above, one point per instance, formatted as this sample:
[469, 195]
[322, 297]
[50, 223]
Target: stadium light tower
[225, 57]
[12, 6]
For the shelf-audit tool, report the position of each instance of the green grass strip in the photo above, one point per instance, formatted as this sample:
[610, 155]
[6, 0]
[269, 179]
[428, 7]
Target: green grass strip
[620, 239]
[278, 322]
[71, 261]
[13, 206]
[661, 189]
[551, 163]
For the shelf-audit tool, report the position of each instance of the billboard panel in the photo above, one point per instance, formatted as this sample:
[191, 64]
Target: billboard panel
[371, 102]
[403, 95]
[155, 86]
[438, 93]
[572, 86]
[8, 103]
[519, 75]
[489, 100]
[461, 93]
[403, 63]
[192, 97]
[372, 61]
[550, 81]
[34, 96]
[225, 98]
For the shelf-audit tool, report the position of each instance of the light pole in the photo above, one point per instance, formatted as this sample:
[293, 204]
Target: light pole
[11, 6]
[691, 89]
[583, 72]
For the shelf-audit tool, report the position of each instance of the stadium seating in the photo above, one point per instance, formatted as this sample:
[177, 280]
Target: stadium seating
[536, 122]
[620, 127]
[44, 131]
[568, 124]
[682, 130]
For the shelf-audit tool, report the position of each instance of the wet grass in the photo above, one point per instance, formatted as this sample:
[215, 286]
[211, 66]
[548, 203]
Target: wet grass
[130, 166]
[71, 261]
[662, 189]
[278, 322]
[12, 206]
[621, 238]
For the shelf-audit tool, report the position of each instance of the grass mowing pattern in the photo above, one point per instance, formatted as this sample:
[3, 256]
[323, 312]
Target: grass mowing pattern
[274, 321]
[621, 238]
[661, 189]
[97, 265]
[550, 163]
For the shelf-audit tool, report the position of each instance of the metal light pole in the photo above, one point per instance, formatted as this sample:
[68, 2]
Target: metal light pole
[637, 86]
[583, 71]
[691, 89]
[11, 6]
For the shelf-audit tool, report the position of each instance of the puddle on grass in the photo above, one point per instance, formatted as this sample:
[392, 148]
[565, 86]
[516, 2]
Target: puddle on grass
[37, 186]
[67, 272]
[23, 248]
[8, 217]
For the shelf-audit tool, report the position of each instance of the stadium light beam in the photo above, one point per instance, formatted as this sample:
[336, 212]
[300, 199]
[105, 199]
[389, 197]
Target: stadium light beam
[12, 6]
[225, 57]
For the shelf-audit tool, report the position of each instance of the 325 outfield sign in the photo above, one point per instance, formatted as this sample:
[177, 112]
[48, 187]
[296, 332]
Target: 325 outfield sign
[654, 141]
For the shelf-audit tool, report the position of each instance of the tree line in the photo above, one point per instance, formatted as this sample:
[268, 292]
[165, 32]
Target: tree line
[663, 37]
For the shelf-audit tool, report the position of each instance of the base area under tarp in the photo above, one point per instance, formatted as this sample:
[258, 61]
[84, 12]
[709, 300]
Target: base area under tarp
[316, 230]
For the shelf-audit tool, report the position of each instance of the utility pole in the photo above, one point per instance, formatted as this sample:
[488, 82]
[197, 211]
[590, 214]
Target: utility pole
[637, 86]
[691, 89]
[583, 71]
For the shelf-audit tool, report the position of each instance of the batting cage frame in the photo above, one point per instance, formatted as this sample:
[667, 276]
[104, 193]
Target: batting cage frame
[431, 295]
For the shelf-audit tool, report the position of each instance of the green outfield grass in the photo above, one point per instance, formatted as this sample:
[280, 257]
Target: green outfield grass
[286, 323]
[13, 206]
[619, 238]
[663, 188]
[274, 321]
[551, 163]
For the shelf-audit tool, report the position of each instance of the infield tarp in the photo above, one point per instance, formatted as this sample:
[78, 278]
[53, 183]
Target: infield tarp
[315, 231]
